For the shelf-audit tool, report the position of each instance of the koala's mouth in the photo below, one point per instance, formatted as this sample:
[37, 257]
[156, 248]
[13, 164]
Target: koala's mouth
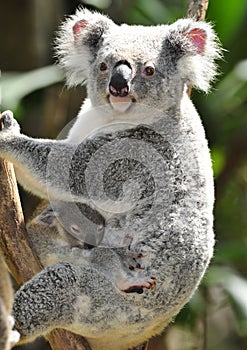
[121, 104]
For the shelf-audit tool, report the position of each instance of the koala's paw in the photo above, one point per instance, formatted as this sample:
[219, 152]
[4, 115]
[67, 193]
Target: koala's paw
[136, 286]
[8, 125]
[137, 258]
[14, 336]
[136, 261]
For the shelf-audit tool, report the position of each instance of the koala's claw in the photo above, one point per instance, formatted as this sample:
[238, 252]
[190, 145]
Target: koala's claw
[137, 287]
[136, 266]
[8, 123]
[150, 282]
[135, 262]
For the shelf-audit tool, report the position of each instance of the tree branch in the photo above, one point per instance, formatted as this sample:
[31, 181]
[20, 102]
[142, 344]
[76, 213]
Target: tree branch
[197, 9]
[14, 242]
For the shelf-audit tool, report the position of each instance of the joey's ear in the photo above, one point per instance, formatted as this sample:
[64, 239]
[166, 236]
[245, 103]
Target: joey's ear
[46, 217]
[198, 48]
[78, 42]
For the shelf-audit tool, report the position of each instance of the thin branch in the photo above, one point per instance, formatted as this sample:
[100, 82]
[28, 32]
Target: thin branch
[197, 9]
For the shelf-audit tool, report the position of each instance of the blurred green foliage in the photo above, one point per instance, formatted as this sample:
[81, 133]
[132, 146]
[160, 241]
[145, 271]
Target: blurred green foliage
[224, 112]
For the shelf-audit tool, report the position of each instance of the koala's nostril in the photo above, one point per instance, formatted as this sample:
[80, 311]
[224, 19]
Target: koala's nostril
[113, 91]
[118, 85]
[124, 91]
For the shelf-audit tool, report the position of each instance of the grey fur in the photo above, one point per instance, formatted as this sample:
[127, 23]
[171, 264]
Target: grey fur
[146, 172]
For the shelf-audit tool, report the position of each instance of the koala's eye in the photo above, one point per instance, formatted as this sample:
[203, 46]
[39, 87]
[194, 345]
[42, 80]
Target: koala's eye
[103, 67]
[148, 69]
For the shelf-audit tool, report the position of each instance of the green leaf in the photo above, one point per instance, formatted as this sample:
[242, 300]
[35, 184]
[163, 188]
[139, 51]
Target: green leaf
[17, 85]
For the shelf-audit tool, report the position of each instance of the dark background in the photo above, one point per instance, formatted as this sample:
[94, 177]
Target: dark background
[216, 317]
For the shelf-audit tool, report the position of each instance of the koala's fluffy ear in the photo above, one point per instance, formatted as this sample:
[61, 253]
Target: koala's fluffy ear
[78, 42]
[197, 47]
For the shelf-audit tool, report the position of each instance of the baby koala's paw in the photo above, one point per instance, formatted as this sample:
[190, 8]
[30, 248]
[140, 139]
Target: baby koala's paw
[14, 336]
[8, 125]
[137, 285]
[136, 261]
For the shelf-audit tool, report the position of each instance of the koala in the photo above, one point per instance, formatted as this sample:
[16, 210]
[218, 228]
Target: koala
[8, 337]
[128, 233]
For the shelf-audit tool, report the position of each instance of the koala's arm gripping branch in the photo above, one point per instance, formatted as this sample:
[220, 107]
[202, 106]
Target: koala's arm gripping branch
[18, 254]
[58, 167]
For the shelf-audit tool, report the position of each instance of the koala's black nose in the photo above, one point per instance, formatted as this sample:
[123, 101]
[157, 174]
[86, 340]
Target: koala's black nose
[119, 84]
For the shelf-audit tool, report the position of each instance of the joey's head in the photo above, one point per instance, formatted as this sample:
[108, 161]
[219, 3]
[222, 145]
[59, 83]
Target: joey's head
[124, 66]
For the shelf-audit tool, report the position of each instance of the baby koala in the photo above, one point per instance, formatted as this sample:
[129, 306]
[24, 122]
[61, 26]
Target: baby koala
[73, 244]
[130, 189]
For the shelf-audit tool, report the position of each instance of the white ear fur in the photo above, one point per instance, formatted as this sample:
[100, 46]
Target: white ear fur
[201, 48]
[73, 50]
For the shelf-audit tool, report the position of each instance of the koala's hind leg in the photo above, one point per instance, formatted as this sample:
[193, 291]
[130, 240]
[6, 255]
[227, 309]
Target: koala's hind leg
[45, 301]
[65, 296]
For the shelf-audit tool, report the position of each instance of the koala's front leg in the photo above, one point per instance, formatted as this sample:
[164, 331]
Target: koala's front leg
[16, 147]
[47, 162]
